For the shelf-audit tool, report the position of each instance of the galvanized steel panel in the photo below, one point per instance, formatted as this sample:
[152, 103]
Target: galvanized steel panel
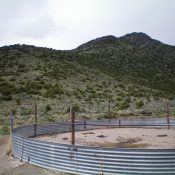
[85, 160]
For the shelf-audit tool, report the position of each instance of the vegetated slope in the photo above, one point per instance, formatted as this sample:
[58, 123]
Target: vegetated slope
[134, 57]
[132, 71]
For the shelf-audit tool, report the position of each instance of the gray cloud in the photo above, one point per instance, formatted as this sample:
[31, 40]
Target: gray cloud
[40, 27]
[65, 24]
[25, 19]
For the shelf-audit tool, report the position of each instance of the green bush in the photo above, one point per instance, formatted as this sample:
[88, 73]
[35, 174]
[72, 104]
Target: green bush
[6, 97]
[18, 101]
[49, 94]
[48, 108]
[4, 130]
[75, 108]
[139, 103]
[125, 104]
[51, 119]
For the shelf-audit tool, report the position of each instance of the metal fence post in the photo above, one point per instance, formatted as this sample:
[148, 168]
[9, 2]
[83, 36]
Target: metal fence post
[11, 122]
[35, 124]
[72, 115]
[11, 131]
[84, 124]
[109, 109]
[119, 122]
[168, 115]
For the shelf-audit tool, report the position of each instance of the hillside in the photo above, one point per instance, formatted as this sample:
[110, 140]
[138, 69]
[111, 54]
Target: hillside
[134, 57]
[132, 72]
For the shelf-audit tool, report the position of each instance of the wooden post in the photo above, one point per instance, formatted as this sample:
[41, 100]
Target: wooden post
[168, 115]
[109, 110]
[72, 114]
[9, 146]
[11, 123]
[35, 124]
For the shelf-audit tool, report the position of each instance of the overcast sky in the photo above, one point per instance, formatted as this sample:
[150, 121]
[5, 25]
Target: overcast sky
[65, 24]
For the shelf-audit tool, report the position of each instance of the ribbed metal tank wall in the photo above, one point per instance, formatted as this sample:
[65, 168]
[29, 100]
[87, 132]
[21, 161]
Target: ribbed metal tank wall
[85, 160]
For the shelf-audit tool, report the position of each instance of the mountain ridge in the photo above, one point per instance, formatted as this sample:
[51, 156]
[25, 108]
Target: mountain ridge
[132, 74]
[135, 39]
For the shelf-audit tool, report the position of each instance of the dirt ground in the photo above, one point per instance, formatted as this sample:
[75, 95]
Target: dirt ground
[6, 163]
[11, 166]
[119, 137]
[27, 169]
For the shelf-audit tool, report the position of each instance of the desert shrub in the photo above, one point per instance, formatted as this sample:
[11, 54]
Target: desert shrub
[94, 95]
[12, 79]
[118, 99]
[121, 94]
[4, 130]
[32, 91]
[57, 89]
[128, 100]
[6, 97]
[51, 119]
[48, 108]
[21, 89]
[75, 108]
[139, 103]
[18, 101]
[26, 112]
[1, 79]
[49, 94]
[14, 111]
[156, 98]
[75, 93]
[6, 91]
[53, 90]
[121, 85]
[104, 84]
[83, 80]
[124, 105]
[146, 112]
[78, 97]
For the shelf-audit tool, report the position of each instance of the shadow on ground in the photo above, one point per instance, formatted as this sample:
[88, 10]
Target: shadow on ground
[11, 166]
[27, 169]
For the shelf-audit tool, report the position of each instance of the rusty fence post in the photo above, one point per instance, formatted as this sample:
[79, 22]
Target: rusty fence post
[36, 121]
[72, 115]
[11, 123]
[11, 127]
[168, 115]
[109, 109]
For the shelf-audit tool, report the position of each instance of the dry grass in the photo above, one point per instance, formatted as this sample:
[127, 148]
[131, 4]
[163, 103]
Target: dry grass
[8, 147]
[6, 142]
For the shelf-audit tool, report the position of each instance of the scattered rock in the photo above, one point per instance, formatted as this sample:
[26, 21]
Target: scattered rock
[130, 140]
[101, 136]
[85, 133]
[11, 157]
[65, 138]
[162, 135]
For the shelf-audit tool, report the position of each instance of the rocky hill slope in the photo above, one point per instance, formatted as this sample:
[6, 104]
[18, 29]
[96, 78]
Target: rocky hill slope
[132, 72]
